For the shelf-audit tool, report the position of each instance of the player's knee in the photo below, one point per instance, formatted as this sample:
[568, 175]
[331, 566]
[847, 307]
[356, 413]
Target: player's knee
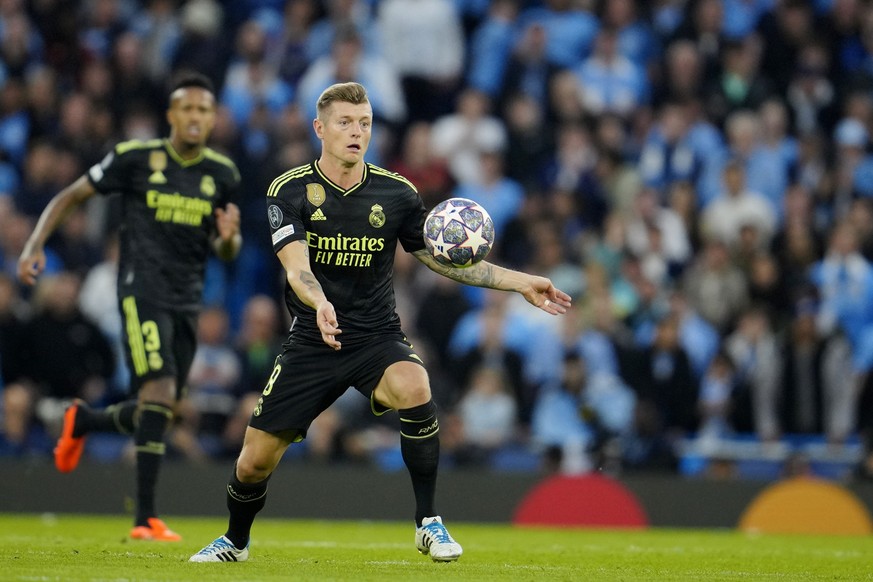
[250, 473]
[404, 385]
[416, 395]
[160, 390]
[251, 470]
[407, 396]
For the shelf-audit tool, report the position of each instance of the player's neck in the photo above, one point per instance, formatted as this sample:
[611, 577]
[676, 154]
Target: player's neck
[340, 174]
[186, 151]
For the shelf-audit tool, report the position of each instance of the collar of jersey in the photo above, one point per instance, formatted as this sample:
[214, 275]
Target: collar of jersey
[343, 190]
[179, 159]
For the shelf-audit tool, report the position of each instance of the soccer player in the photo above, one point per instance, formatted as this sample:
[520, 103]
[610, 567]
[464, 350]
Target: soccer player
[176, 205]
[335, 227]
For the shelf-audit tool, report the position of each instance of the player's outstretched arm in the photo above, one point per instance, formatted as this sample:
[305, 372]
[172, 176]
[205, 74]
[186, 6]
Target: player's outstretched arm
[538, 291]
[295, 259]
[32, 260]
[228, 240]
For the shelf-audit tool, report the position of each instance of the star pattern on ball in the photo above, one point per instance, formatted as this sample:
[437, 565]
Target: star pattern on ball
[475, 238]
[440, 247]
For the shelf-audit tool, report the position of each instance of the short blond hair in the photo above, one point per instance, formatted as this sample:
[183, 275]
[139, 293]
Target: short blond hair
[351, 92]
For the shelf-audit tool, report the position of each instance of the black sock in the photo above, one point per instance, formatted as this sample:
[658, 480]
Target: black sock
[244, 501]
[150, 447]
[118, 418]
[420, 447]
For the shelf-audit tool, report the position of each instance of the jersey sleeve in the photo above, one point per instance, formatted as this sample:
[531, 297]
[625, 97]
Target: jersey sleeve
[230, 181]
[285, 220]
[230, 192]
[111, 174]
[411, 234]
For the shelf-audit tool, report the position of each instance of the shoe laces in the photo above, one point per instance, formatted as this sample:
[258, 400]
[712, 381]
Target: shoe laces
[218, 545]
[439, 531]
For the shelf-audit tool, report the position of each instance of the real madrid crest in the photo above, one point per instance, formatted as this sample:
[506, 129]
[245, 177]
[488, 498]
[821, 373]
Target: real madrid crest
[315, 193]
[207, 185]
[377, 217]
[157, 164]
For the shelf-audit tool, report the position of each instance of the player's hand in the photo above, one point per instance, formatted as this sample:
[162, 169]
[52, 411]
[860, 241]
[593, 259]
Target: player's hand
[327, 324]
[30, 265]
[546, 296]
[227, 221]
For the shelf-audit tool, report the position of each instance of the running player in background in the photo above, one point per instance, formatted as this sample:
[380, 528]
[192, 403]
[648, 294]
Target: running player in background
[335, 227]
[176, 206]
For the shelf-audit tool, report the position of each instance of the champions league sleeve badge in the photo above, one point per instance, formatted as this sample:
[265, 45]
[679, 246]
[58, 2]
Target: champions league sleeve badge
[274, 214]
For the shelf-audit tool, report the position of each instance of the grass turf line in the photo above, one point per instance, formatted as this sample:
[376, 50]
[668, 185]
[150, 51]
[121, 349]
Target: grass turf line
[68, 547]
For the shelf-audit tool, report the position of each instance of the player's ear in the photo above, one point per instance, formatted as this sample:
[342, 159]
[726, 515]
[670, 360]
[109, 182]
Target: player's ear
[318, 126]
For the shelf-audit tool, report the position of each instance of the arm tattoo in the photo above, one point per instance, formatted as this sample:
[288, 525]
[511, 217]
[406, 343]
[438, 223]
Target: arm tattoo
[482, 274]
[309, 280]
[479, 275]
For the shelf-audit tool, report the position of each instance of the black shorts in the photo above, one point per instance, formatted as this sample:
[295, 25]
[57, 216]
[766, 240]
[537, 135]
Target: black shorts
[307, 379]
[160, 342]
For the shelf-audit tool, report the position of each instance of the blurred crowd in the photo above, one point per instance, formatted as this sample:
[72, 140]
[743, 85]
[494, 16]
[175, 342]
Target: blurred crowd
[697, 174]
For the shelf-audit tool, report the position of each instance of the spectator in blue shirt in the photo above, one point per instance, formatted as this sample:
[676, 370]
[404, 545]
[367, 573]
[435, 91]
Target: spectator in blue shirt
[844, 280]
[636, 39]
[683, 147]
[610, 82]
[668, 155]
[570, 31]
[490, 48]
[251, 81]
[769, 156]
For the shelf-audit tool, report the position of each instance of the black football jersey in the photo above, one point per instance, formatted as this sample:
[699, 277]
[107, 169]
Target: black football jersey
[168, 220]
[352, 236]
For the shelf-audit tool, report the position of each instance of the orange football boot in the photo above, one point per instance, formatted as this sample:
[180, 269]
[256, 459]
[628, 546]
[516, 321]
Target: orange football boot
[69, 448]
[155, 531]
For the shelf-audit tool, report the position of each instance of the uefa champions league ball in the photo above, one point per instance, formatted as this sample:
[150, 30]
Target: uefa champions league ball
[458, 232]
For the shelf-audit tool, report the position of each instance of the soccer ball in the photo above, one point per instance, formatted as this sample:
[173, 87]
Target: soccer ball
[458, 232]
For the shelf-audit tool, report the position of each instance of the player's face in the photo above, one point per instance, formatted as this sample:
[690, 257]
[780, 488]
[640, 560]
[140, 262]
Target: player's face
[345, 132]
[191, 116]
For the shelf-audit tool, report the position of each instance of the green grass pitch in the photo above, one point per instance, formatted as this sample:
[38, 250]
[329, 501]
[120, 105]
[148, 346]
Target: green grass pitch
[67, 547]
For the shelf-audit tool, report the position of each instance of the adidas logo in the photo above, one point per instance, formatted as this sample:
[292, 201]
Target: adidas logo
[318, 215]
